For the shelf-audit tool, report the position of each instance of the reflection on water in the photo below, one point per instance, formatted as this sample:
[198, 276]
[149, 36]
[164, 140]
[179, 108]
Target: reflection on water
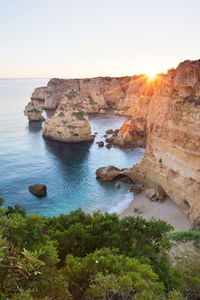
[35, 126]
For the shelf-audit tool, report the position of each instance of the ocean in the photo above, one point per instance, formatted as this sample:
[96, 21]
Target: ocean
[68, 170]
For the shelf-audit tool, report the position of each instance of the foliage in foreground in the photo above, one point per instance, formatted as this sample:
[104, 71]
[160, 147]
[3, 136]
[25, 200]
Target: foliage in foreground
[82, 256]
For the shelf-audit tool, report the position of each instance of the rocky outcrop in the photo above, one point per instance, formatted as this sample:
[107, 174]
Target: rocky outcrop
[68, 126]
[38, 189]
[133, 133]
[39, 94]
[33, 111]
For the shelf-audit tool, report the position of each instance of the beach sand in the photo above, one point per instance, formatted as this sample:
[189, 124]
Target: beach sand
[167, 211]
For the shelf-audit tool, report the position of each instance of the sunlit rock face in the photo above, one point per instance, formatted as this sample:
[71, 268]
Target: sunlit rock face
[172, 157]
[133, 133]
[164, 115]
[33, 111]
[68, 126]
[104, 91]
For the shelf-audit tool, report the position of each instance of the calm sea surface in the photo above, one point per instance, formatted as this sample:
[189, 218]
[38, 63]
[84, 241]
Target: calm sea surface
[68, 170]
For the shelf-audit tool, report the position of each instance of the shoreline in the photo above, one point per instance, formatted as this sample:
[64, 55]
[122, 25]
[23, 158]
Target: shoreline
[167, 211]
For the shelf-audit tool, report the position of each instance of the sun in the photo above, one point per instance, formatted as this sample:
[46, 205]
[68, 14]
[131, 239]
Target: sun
[151, 75]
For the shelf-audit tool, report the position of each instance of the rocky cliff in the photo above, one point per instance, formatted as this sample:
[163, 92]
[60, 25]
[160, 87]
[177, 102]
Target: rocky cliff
[172, 114]
[104, 91]
[164, 115]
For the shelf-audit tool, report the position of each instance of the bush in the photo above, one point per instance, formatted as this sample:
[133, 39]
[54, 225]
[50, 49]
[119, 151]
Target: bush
[92, 102]
[82, 256]
[79, 115]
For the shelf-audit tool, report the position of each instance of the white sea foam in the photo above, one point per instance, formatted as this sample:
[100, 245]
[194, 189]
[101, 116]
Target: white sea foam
[123, 204]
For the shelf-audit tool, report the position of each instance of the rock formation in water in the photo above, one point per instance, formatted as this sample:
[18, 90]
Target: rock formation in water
[33, 111]
[68, 126]
[164, 114]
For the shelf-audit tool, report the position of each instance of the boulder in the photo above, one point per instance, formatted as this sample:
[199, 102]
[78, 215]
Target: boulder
[109, 140]
[157, 194]
[108, 146]
[38, 189]
[107, 173]
[109, 131]
[100, 144]
[136, 189]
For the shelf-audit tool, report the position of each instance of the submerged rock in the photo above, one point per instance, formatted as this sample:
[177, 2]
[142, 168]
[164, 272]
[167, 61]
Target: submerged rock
[68, 126]
[109, 131]
[33, 111]
[100, 144]
[117, 185]
[38, 189]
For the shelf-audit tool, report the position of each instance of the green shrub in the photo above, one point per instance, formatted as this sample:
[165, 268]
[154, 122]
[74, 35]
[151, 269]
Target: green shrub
[61, 114]
[92, 102]
[79, 115]
[72, 94]
[34, 110]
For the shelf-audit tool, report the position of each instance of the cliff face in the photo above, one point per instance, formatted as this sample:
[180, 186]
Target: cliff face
[105, 91]
[164, 115]
[172, 157]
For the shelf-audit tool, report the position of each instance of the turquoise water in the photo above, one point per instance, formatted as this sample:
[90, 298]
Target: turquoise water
[68, 170]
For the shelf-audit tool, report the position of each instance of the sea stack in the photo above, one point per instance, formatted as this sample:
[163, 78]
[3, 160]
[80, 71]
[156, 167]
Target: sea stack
[68, 126]
[33, 111]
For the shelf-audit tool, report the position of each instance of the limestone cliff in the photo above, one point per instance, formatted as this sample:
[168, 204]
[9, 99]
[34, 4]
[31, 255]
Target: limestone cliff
[68, 126]
[102, 91]
[172, 157]
[33, 111]
[39, 94]
[165, 115]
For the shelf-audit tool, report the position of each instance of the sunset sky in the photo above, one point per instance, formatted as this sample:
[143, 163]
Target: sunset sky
[87, 38]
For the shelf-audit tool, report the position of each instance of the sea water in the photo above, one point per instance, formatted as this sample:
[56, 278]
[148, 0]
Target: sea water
[68, 170]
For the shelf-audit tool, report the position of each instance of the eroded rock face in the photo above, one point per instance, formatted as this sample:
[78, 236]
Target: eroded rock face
[172, 158]
[133, 133]
[39, 94]
[33, 111]
[68, 126]
[101, 91]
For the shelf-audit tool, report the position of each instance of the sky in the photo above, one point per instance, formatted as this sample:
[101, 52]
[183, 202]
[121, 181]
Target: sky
[89, 38]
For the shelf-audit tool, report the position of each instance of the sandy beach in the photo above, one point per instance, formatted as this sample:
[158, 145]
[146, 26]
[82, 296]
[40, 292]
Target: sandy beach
[167, 211]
